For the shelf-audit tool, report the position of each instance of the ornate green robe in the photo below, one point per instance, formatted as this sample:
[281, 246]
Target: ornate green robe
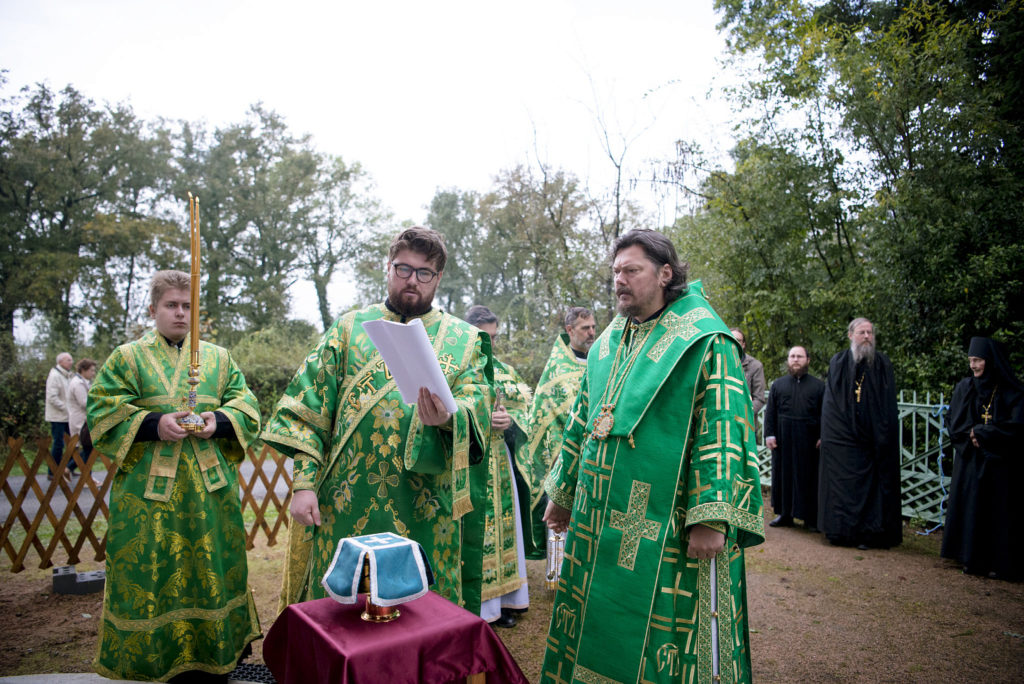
[374, 466]
[500, 563]
[549, 412]
[681, 452]
[176, 595]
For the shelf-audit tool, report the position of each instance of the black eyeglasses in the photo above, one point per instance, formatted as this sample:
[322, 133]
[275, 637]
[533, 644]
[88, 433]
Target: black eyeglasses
[424, 275]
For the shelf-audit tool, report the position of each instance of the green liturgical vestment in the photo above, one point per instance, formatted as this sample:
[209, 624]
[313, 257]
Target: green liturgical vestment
[374, 466]
[500, 562]
[678, 450]
[549, 412]
[176, 595]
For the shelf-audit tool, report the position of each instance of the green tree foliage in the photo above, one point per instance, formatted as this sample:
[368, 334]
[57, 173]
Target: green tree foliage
[63, 161]
[269, 358]
[528, 249]
[344, 213]
[898, 128]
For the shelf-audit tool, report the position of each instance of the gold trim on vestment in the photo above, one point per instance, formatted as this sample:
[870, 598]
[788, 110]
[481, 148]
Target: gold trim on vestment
[149, 624]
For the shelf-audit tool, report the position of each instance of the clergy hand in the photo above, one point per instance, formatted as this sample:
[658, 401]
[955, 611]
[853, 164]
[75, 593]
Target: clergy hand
[305, 508]
[771, 442]
[209, 425]
[431, 409]
[500, 420]
[974, 440]
[557, 517]
[705, 542]
[168, 429]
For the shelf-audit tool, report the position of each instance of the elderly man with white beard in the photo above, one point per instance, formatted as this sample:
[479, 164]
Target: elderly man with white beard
[859, 482]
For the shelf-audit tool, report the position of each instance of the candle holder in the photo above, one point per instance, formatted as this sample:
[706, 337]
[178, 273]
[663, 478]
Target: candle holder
[371, 611]
[193, 422]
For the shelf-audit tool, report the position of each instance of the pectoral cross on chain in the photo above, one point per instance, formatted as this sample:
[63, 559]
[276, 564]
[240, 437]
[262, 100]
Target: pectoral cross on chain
[634, 524]
[986, 416]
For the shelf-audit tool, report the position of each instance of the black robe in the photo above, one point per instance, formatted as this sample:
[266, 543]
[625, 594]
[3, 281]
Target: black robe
[981, 529]
[793, 417]
[859, 480]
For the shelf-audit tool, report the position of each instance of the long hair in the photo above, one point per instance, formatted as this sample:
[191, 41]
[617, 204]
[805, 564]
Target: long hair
[659, 250]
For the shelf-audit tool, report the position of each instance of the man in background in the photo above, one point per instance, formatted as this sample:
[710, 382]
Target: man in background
[859, 483]
[792, 428]
[557, 389]
[56, 412]
[505, 592]
[753, 371]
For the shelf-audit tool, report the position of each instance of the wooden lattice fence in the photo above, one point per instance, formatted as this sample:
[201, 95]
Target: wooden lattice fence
[31, 521]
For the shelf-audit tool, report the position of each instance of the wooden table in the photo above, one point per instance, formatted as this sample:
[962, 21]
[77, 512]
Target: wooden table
[433, 641]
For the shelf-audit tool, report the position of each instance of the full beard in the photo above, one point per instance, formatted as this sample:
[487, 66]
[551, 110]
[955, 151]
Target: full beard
[410, 307]
[863, 352]
[630, 310]
[797, 371]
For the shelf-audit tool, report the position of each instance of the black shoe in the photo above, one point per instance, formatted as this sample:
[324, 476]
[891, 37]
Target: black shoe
[811, 528]
[863, 547]
[781, 521]
[506, 620]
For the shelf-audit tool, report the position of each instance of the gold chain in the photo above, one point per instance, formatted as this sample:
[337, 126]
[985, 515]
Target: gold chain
[604, 422]
[986, 416]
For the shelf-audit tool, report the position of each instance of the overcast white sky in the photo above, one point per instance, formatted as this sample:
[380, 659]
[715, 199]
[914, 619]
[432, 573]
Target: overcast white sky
[424, 95]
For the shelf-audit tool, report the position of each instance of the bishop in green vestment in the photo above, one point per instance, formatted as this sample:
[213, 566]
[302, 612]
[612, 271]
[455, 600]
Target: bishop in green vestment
[549, 412]
[367, 462]
[176, 597]
[658, 471]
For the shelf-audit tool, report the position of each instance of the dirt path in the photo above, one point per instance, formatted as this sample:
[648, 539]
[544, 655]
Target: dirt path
[820, 613]
[817, 614]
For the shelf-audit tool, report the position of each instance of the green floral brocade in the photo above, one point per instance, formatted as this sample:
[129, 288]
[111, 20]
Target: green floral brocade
[681, 452]
[549, 412]
[500, 555]
[176, 595]
[374, 466]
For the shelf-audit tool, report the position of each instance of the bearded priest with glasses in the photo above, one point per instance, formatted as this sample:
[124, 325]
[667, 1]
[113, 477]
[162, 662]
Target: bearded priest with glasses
[367, 462]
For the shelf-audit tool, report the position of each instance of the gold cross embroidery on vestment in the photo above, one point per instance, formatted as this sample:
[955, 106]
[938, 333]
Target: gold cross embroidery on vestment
[633, 524]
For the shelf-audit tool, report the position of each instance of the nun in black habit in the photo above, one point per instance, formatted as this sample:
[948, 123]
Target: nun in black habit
[859, 476]
[986, 426]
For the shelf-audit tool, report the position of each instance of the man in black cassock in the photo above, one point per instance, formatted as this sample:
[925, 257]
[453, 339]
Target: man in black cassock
[792, 425]
[986, 425]
[859, 482]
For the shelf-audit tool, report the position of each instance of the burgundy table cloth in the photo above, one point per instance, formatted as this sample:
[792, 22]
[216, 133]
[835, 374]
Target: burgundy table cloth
[433, 641]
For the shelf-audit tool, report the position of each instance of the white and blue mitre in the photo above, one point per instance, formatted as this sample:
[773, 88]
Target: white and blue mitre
[399, 570]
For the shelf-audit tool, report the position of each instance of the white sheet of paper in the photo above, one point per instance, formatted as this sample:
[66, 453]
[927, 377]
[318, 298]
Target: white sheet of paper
[407, 351]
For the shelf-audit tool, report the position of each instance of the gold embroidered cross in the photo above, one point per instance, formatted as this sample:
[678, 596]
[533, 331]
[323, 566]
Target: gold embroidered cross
[384, 480]
[634, 524]
[676, 591]
[698, 489]
[677, 326]
[154, 566]
[447, 362]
